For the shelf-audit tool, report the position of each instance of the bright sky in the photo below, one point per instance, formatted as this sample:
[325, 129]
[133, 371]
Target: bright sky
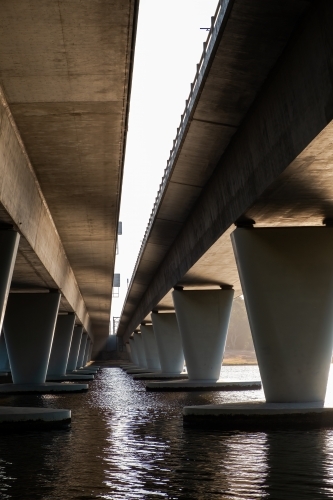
[169, 44]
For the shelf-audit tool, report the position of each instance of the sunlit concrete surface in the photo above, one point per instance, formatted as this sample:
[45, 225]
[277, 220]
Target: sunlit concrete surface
[46, 388]
[199, 385]
[237, 416]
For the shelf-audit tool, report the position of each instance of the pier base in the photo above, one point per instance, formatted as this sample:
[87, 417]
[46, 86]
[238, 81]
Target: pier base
[134, 371]
[259, 416]
[201, 385]
[160, 376]
[45, 388]
[69, 378]
[32, 418]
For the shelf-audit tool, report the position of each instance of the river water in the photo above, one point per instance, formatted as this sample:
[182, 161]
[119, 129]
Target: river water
[125, 443]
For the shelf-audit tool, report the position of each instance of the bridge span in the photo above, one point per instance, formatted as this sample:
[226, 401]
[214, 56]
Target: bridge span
[254, 143]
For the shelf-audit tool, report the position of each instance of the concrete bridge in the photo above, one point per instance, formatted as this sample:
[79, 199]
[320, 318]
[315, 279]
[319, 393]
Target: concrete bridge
[253, 149]
[65, 76]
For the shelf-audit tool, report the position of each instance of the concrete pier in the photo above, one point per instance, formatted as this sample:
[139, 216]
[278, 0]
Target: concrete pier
[203, 319]
[140, 350]
[288, 290]
[82, 350]
[74, 349]
[134, 355]
[150, 348]
[169, 342]
[61, 346]
[4, 361]
[29, 326]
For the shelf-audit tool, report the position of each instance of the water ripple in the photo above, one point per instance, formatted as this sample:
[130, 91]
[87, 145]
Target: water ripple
[126, 443]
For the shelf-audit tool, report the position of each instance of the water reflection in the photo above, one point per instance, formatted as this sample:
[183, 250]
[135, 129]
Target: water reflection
[126, 443]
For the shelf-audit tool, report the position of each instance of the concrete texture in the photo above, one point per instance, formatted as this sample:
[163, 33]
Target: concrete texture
[29, 325]
[169, 342]
[285, 275]
[199, 385]
[61, 344]
[275, 168]
[259, 416]
[150, 348]
[46, 388]
[74, 349]
[203, 319]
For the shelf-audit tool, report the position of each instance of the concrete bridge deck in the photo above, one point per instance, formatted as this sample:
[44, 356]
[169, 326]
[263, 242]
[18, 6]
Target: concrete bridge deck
[65, 73]
[254, 143]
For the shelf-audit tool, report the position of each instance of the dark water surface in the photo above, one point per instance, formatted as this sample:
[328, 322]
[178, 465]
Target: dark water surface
[128, 444]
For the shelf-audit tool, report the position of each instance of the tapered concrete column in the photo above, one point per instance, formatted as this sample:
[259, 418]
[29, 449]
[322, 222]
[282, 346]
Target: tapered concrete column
[61, 345]
[287, 281]
[86, 352]
[4, 361]
[169, 342]
[75, 347]
[29, 327]
[140, 350]
[90, 351]
[150, 347]
[128, 350]
[134, 354]
[82, 349]
[203, 319]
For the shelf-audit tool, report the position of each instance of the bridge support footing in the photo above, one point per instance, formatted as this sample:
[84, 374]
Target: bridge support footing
[201, 385]
[259, 416]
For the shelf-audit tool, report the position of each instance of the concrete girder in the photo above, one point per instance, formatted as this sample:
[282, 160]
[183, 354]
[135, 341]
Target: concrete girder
[23, 205]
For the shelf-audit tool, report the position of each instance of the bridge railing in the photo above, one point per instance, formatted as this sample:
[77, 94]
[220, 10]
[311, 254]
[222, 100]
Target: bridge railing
[208, 45]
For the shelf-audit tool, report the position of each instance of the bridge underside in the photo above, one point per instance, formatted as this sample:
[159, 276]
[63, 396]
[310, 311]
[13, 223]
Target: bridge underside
[257, 146]
[65, 70]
